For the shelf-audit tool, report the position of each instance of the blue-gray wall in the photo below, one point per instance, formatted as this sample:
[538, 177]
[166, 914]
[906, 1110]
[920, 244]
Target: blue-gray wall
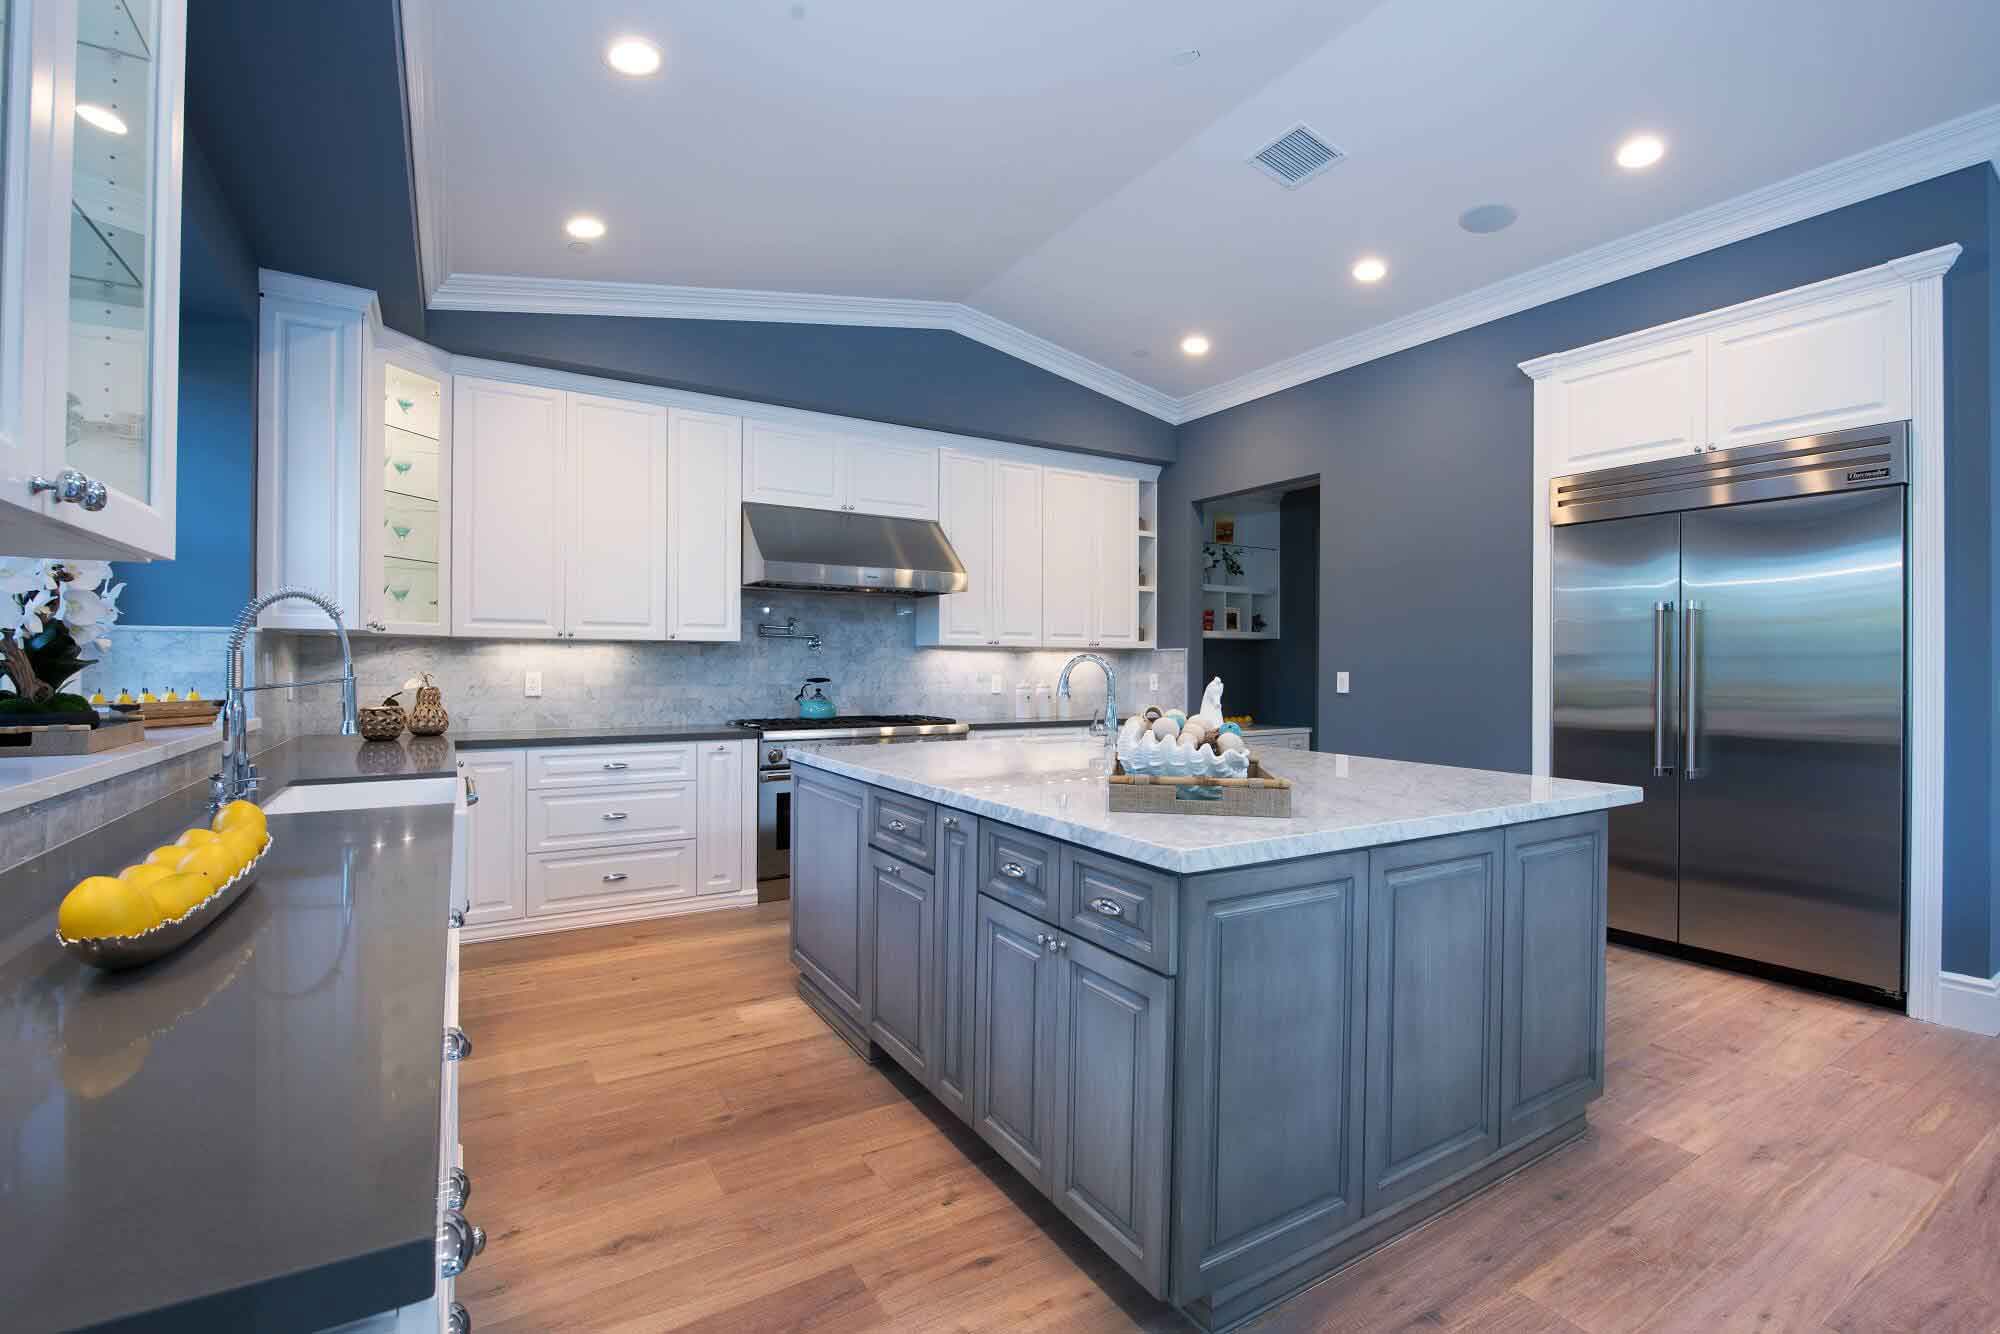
[1426, 467]
[213, 570]
[914, 377]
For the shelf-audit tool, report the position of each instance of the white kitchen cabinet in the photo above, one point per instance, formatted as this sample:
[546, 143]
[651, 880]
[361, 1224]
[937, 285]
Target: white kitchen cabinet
[1631, 407]
[406, 489]
[90, 277]
[495, 866]
[615, 550]
[1090, 538]
[1824, 366]
[966, 513]
[725, 805]
[1116, 598]
[816, 469]
[508, 517]
[1017, 554]
[704, 526]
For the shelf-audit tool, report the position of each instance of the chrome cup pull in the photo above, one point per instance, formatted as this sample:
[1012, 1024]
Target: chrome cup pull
[1106, 908]
[897, 826]
[457, 1242]
[613, 766]
[613, 878]
[1014, 870]
[457, 1188]
[615, 816]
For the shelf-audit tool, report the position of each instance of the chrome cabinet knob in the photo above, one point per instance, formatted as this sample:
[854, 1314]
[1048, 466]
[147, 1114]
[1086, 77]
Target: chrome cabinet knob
[96, 495]
[1013, 870]
[457, 1242]
[455, 918]
[457, 1188]
[1045, 940]
[951, 822]
[458, 1320]
[1062, 946]
[377, 626]
[897, 826]
[457, 1046]
[478, 1240]
[890, 868]
[1106, 908]
[70, 487]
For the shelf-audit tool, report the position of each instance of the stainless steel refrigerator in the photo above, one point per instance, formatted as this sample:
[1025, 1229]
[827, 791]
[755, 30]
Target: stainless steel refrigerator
[1729, 635]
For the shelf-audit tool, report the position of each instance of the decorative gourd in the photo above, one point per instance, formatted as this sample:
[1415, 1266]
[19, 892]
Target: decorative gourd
[429, 718]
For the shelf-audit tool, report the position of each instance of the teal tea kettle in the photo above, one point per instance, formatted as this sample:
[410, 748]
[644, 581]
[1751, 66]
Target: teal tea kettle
[815, 705]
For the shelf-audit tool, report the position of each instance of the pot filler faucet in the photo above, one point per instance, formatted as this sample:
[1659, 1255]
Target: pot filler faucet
[239, 777]
[1109, 727]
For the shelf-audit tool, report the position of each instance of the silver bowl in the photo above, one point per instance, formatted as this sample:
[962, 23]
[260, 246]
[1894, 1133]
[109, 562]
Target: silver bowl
[113, 953]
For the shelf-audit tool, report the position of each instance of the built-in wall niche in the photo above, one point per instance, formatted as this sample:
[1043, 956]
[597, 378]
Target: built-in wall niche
[1239, 576]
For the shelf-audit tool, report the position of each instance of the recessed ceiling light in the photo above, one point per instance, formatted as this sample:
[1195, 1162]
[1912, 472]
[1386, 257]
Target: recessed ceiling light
[583, 227]
[1187, 57]
[1487, 218]
[634, 56]
[104, 118]
[1641, 150]
[1370, 270]
[1195, 345]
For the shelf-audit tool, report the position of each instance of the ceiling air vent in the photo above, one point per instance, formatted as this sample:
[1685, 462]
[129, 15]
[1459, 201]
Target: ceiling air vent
[1295, 157]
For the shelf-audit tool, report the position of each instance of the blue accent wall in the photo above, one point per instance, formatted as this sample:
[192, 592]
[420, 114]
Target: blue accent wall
[913, 377]
[1426, 463]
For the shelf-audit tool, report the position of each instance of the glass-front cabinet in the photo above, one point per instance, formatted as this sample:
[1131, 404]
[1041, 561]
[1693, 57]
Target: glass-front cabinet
[408, 588]
[90, 280]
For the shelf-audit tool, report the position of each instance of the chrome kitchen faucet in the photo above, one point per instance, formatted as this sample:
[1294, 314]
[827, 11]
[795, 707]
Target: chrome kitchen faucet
[1110, 723]
[239, 776]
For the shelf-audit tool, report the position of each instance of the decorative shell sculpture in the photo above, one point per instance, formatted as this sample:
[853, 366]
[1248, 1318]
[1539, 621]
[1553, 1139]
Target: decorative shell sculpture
[1173, 745]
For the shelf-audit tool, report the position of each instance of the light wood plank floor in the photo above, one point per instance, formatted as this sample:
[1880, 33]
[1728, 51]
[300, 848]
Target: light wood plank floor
[662, 1137]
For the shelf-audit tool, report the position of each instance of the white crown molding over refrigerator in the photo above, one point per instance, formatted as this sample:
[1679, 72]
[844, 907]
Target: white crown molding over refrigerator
[1917, 359]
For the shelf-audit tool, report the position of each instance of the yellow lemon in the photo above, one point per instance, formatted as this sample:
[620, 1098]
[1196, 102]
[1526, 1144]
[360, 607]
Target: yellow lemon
[244, 844]
[175, 894]
[194, 838]
[145, 873]
[168, 855]
[103, 906]
[211, 860]
[237, 815]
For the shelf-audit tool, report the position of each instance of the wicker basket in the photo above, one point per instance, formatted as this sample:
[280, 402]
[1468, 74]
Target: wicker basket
[1261, 794]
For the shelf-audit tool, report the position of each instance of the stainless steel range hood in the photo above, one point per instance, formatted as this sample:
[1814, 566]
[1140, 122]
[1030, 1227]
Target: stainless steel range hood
[836, 552]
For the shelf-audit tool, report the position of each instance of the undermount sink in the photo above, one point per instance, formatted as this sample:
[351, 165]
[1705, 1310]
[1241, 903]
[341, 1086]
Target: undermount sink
[304, 798]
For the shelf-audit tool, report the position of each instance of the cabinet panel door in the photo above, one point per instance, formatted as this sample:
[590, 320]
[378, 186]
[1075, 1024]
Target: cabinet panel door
[1117, 564]
[705, 526]
[1017, 553]
[722, 797]
[1114, 1092]
[827, 877]
[957, 943]
[615, 555]
[1552, 1005]
[497, 860]
[310, 369]
[507, 516]
[1434, 1018]
[788, 465]
[966, 510]
[898, 925]
[1069, 557]
[1629, 408]
[1274, 974]
[1020, 868]
[897, 480]
[1014, 1022]
[1833, 364]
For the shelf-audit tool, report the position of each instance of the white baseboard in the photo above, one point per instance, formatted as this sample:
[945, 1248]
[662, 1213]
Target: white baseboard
[1970, 1003]
[573, 921]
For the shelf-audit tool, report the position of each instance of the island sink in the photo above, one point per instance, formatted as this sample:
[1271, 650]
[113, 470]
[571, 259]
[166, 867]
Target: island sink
[1237, 1053]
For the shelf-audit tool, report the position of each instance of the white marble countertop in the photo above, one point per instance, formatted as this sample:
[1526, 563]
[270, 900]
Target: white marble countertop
[25, 780]
[1056, 786]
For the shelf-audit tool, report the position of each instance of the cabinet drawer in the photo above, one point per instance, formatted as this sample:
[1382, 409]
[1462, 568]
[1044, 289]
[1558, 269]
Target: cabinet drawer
[559, 820]
[1128, 909]
[904, 826]
[573, 882]
[609, 766]
[1018, 867]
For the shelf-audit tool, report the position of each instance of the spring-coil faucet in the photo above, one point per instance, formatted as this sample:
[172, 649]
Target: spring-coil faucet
[238, 777]
[1110, 723]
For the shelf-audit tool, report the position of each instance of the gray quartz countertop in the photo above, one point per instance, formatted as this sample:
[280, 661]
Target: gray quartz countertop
[504, 739]
[1056, 786]
[242, 1135]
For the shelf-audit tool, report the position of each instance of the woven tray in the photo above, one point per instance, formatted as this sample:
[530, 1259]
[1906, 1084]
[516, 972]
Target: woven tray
[1263, 793]
[180, 713]
[68, 738]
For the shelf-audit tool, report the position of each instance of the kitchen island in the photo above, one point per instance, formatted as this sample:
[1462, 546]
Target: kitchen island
[1237, 1053]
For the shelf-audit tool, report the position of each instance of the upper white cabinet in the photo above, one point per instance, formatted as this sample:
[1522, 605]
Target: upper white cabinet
[1016, 608]
[1806, 366]
[1090, 583]
[991, 509]
[1117, 563]
[1820, 367]
[406, 524]
[509, 521]
[704, 525]
[790, 465]
[615, 558]
[90, 276]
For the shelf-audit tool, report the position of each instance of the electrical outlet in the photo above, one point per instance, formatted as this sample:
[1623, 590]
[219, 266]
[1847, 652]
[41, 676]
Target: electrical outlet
[1340, 683]
[532, 687]
[1153, 683]
[996, 683]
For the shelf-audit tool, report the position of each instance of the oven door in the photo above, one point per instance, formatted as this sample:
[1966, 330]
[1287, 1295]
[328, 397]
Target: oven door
[774, 823]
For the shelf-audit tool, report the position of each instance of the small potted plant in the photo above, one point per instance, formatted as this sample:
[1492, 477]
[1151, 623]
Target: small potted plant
[56, 607]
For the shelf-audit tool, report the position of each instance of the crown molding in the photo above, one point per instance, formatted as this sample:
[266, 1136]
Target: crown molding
[1949, 147]
[320, 291]
[420, 118]
[558, 296]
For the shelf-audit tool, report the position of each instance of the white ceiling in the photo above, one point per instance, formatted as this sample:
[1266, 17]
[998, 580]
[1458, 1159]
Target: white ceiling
[1046, 163]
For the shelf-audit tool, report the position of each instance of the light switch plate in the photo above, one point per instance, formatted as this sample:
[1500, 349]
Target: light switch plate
[1340, 683]
[1153, 683]
[996, 683]
[532, 687]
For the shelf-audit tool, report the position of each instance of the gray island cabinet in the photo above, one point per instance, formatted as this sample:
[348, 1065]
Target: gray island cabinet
[1236, 1053]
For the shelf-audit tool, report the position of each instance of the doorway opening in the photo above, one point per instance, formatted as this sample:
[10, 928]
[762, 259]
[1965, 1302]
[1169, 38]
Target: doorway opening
[1259, 606]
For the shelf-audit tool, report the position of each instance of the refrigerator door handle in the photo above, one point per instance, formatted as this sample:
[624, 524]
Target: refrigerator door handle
[1661, 612]
[1691, 693]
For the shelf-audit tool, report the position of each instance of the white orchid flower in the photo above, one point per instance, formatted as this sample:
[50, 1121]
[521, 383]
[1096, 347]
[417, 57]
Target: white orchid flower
[89, 573]
[20, 576]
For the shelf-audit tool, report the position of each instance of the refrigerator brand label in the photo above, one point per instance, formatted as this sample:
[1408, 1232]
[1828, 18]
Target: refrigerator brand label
[1867, 474]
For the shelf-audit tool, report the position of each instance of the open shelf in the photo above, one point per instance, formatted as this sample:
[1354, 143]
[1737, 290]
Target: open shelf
[1239, 634]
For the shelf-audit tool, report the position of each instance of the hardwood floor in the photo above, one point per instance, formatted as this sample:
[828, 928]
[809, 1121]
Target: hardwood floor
[663, 1137]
